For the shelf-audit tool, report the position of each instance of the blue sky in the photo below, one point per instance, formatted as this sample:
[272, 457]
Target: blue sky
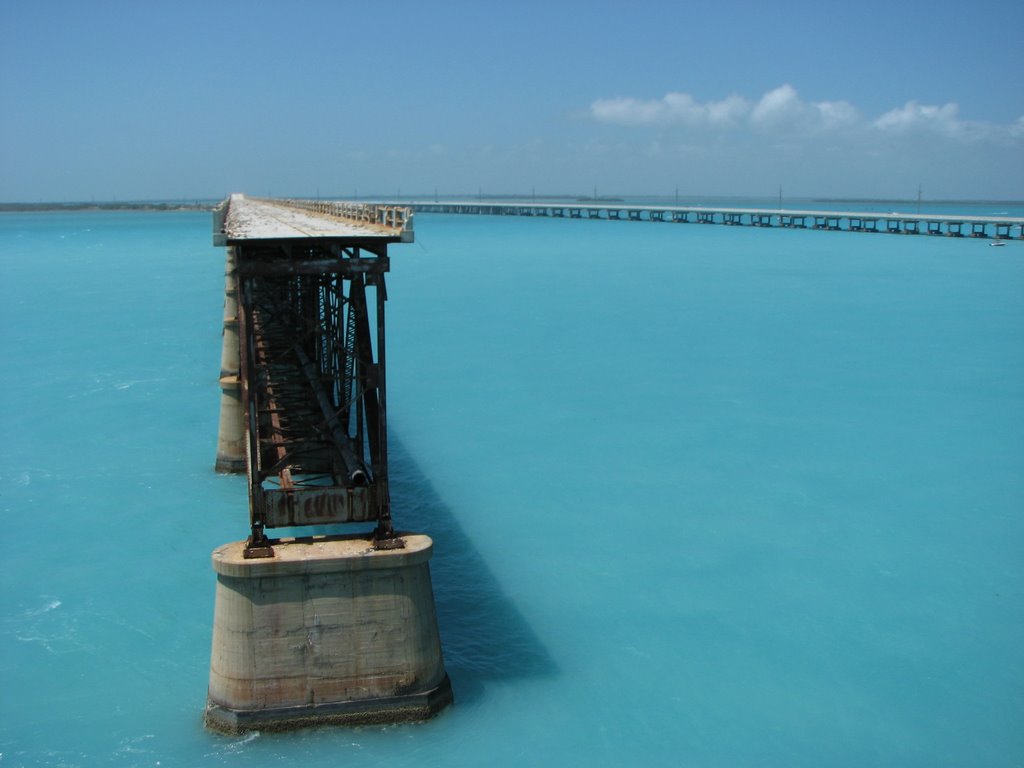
[150, 100]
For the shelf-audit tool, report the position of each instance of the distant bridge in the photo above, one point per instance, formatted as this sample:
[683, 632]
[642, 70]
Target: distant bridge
[949, 225]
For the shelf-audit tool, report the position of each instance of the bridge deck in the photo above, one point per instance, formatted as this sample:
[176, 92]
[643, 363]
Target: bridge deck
[243, 218]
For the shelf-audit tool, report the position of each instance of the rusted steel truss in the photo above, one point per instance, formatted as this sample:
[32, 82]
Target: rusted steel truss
[312, 359]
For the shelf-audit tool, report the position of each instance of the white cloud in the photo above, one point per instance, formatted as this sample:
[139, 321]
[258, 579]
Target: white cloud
[1017, 128]
[820, 147]
[682, 108]
[727, 112]
[782, 111]
[671, 109]
[628, 111]
[916, 120]
[781, 106]
[837, 114]
[913, 116]
[777, 106]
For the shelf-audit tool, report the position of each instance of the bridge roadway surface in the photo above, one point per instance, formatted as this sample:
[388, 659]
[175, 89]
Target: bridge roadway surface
[954, 225]
[243, 218]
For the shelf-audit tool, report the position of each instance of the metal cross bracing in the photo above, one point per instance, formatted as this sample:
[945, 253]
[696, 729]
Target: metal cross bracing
[312, 370]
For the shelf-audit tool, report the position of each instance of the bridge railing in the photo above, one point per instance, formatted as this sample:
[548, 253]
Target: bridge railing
[390, 216]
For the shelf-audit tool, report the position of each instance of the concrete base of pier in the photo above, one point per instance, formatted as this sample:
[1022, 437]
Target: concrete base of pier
[231, 432]
[329, 630]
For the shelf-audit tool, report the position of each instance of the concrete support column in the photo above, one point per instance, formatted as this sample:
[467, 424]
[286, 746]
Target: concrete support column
[231, 432]
[329, 630]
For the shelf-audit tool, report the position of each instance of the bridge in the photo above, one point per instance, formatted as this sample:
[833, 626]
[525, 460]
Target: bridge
[331, 623]
[999, 227]
[303, 385]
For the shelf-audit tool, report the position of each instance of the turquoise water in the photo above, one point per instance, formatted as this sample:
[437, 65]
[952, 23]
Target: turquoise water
[701, 496]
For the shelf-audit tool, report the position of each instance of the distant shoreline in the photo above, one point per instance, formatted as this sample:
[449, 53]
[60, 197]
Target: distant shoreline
[127, 206]
[904, 201]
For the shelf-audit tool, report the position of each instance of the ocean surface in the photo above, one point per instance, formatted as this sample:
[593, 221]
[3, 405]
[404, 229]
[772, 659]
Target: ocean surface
[700, 495]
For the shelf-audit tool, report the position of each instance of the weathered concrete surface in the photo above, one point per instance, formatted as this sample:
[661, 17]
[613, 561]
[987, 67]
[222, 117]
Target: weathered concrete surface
[231, 431]
[328, 630]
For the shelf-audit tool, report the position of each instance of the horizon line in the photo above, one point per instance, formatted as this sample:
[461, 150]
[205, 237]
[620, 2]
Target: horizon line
[197, 201]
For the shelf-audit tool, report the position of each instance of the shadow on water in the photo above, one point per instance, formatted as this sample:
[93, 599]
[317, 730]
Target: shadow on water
[482, 632]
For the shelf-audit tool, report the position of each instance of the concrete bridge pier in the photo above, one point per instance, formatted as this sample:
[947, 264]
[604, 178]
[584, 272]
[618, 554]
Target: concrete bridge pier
[231, 431]
[329, 631]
